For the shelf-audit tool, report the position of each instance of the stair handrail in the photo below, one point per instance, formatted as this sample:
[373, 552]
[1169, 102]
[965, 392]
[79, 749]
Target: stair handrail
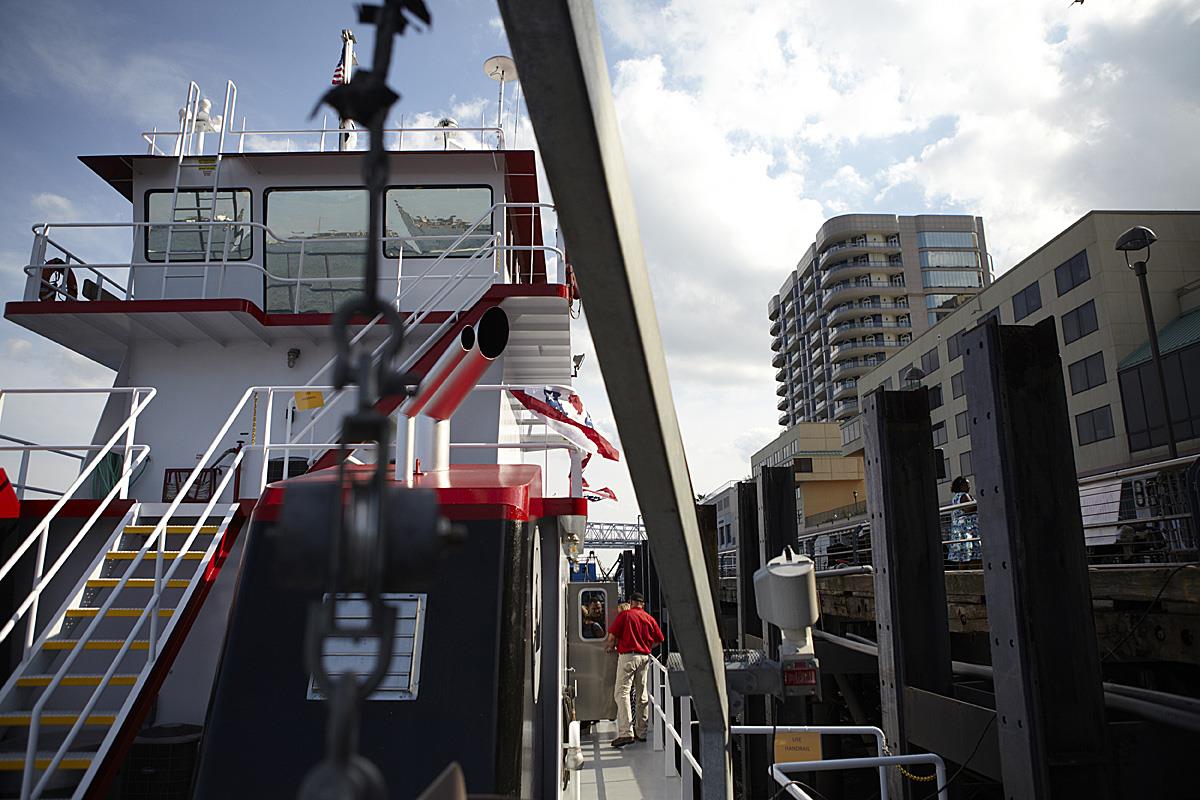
[40, 532]
[42, 581]
[159, 534]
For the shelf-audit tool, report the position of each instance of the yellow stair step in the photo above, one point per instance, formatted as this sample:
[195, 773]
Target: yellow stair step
[168, 555]
[30, 681]
[90, 613]
[135, 583]
[95, 644]
[15, 762]
[12, 718]
[146, 530]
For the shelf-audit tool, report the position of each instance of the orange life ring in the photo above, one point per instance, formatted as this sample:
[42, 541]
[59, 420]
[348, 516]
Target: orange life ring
[56, 279]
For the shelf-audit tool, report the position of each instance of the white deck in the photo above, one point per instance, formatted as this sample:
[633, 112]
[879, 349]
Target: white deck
[628, 773]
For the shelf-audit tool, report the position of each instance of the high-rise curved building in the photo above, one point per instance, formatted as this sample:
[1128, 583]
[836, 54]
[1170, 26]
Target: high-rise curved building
[861, 292]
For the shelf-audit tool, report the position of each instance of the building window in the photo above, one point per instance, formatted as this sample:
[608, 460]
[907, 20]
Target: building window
[939, 434]
[961, 424]
[944, 475]
[952, 278]
[804, 465]
[331, 224]
[964, 463]
[1079, 322]
[954, 346]
[935, 397]
[1026, 301]
[929, 362]
[187, 242]
[1095, 425]
[958, 385]
[887, 384]
[1142, 401]
[1071, 272]
[427, 221]
[1087, 373]
[946, 239]
[949, 258]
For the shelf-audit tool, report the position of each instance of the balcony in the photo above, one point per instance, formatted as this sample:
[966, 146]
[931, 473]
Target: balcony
[782, 404]
[850, 290]
[773, 308]
[850, 269]
[862, 347]
[845, 389]
[812, 322]
[863, 246]
[778, 360]
[855, 367]
[845, 409]
[781, 389]
[776, 327]
[847, 330]
[781, 375]
[810, 300]
[851, 310]
[784, 417]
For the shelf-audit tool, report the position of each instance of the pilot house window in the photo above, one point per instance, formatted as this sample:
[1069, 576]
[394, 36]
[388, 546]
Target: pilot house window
[593, 617]
[187, 242]
[316, 248]
[427, 221]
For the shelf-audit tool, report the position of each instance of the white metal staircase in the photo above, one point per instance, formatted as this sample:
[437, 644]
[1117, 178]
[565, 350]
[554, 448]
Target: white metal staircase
[64, 706]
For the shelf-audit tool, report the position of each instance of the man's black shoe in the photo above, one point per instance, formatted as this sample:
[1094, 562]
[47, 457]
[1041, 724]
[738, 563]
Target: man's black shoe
[621, 741]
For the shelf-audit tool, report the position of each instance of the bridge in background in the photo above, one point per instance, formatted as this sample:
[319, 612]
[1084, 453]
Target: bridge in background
[614, 534]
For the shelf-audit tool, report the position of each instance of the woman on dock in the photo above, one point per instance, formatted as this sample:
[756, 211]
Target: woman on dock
[963, 534]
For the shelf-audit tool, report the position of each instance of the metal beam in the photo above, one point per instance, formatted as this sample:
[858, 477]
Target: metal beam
[906, 551]
[565, 79]
[1049, 700]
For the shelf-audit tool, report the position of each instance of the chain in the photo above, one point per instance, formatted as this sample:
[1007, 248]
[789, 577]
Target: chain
[911, 776]
[356, 536]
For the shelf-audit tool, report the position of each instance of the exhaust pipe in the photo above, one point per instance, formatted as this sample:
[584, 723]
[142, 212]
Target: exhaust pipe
[453, 376]
[454, 354]
[490, 338]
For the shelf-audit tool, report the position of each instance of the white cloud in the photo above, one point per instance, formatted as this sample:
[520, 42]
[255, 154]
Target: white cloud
[53, 205]
[745, 123]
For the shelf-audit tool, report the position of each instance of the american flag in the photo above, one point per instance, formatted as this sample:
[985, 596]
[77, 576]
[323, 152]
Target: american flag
[338, 73]
[563, 412]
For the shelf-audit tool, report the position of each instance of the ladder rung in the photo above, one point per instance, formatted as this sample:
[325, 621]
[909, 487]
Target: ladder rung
[95, 644]
[146, 530]
[168, 555]
[90, 613]
[13, 762]
[11, 718]
[134, 583]
[31, 681]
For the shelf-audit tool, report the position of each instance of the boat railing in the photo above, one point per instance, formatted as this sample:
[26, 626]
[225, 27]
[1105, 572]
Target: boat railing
[120, 443]
[673, 737]
[318, 140]
[52, 262]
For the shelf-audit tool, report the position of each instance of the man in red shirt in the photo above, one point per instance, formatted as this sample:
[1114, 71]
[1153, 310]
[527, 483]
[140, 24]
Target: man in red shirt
[632, 634]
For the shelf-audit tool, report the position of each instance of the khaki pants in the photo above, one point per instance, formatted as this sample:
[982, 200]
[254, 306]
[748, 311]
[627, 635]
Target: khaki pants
[631, 676]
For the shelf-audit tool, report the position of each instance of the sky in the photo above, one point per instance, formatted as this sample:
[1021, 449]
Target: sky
[744, 124]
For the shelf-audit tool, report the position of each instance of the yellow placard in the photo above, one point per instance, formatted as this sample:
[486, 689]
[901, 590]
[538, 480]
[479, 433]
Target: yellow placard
[309, 400]
[797, 747]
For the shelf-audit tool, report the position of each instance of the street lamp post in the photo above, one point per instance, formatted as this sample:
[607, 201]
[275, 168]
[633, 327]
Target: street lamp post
[1135, 239]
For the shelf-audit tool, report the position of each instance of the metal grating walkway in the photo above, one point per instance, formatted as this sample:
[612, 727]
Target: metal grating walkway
[629, 773]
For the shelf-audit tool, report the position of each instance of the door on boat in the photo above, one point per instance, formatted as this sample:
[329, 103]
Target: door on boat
[591, 608]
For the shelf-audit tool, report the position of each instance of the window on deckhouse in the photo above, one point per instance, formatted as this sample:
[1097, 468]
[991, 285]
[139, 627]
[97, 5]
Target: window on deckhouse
[427, 221]
[316, 248]
[187, 242]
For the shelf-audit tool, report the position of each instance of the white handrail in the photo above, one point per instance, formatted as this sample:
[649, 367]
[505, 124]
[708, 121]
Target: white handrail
[40, 532]
[151, 137]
